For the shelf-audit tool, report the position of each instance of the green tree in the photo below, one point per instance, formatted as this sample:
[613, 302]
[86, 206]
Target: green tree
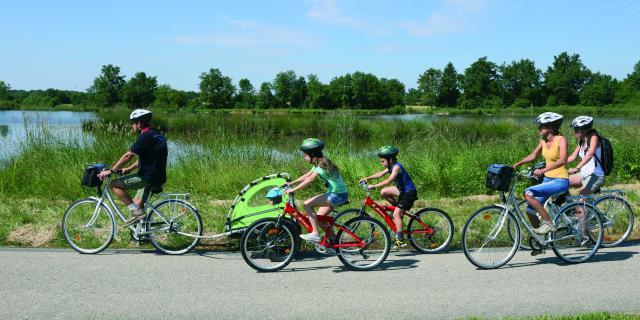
[169, 97]
[246, 94]
[449, 91]
[341, 91]
[630, 86]
[393, 93]
[216, 90]
[265, 98]
[284, 86]
[317, 96]
[521, 82]
[4, 90]
[564, 79]
[107, 87]
[599, 90]
[139, 91]
[480, 85]
[429, 85]
[367, 91]
[413, 97]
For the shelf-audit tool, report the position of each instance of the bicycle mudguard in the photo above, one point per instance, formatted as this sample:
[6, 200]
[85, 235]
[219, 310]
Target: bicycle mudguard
[251, 203]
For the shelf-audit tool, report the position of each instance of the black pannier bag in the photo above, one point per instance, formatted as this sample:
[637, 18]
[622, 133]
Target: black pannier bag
[90, 176]
[499, 177]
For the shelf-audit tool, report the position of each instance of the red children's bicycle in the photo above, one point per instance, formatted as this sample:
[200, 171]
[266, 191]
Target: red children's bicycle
[269, 244]
[429, 230]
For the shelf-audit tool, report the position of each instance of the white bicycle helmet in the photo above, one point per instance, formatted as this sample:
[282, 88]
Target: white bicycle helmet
[582, 122]
[139, 114]
[548, 117]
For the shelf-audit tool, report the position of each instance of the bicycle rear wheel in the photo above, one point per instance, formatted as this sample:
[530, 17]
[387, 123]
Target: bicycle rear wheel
[373, 234]
[490, 238]
[572, 243]
[617, 219]
[439, 222]
[346, 215]
[88, 227]
[174, 226]
[268, 245]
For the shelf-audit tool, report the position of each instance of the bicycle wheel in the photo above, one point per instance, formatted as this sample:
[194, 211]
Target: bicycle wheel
[173, 226]
[486, 240]
[268, 245]
[568, 244]
[373, 234]
[440, 224]
[346, 215]
[88, 227]
[617, 219]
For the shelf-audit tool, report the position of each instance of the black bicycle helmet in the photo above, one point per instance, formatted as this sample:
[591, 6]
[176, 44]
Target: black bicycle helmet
[312, 147]
[388, 152]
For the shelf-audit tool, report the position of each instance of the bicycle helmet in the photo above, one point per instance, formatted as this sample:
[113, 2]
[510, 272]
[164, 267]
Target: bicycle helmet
[582, 123]
[312, 147]
[388, 152]
[549, 119]
[142, 115]
[274, 195]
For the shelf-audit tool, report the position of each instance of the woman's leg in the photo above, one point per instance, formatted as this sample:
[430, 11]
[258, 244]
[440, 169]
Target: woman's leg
[575, 181]
[315, 202]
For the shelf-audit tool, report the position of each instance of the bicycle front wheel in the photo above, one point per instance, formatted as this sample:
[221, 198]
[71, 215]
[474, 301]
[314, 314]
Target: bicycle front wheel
[376, 239]
[430, 230]
[173, 226]
[578, 232]
[491, 237]
[88, 226]
[617, 219]
[268, 245]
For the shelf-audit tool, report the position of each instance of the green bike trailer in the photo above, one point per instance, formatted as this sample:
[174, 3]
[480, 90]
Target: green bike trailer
[252, 204]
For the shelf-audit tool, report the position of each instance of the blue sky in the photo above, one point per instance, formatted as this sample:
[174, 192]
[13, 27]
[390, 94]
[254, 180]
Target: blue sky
[63, 44]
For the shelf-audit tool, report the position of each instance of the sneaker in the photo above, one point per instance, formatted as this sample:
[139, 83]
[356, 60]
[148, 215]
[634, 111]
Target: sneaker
[310, 237]
[545, 228]
[399, 244]
[136, 215]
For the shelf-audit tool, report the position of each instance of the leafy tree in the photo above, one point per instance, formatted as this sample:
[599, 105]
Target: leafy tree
[216, 90]
[139, 91]
[290, 90]
[413, 97]
[169, 97]
[600, 90]
[429, 85]
[564, 79]
[449, 91]
[523, 82]
[265, 98]
[630, 86]
[317, 94]
[4, 90]
[341, 91]
[480, 84]
[393, 93]
[246, 95]
[367, 90]
[107, 87]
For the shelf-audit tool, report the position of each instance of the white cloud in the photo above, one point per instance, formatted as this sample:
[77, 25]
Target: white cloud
[328, 11]
[453, 16]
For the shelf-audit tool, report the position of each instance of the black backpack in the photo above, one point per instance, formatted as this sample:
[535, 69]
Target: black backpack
[606, 152]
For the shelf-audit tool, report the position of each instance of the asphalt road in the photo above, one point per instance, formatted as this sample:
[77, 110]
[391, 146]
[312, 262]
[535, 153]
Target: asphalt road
[124, 284]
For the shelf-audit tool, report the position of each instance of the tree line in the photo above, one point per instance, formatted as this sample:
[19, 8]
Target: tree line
[484, 84]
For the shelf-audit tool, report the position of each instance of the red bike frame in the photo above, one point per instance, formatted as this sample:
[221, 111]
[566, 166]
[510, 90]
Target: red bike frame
[382, 212]
[327, 220]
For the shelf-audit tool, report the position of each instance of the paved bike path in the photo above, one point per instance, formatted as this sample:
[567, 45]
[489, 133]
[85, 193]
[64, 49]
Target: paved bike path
[123, 284]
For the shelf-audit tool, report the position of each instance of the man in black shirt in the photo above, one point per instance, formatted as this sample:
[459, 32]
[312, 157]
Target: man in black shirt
[151, 150]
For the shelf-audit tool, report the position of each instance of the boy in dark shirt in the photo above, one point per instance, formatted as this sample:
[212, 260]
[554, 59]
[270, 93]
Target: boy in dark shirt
[151, 150]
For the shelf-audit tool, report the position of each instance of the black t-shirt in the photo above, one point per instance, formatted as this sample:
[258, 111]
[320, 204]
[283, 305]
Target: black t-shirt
[151, 148]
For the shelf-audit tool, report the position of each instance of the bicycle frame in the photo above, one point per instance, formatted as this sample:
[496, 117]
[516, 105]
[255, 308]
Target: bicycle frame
[290, 209]
[382, 212]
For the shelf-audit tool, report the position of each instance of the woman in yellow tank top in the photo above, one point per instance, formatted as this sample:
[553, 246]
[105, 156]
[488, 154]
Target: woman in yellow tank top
[553, 148]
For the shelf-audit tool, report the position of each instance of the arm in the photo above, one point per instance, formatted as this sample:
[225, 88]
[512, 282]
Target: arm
[375, 176]
[562, 144]
[123, 160]
[301, 178]
[394, 172]
[532, 156]
[131, 167]
[309, 178]
[592, 151]
[574, 155]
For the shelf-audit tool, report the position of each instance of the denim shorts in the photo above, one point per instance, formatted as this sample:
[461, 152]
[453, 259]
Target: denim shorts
[592, 182]
[546, 189]
[337, 199]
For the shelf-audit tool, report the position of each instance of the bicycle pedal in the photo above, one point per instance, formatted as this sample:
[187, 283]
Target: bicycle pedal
[537, 252]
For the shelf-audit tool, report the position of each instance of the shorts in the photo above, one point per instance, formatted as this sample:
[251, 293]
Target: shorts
[133, 182]
[406, 200]
[548, 188]
[337, 199]
[592, 183]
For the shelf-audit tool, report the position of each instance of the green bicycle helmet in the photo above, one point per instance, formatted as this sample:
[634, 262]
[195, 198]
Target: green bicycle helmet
[388, 152]
[312, 147]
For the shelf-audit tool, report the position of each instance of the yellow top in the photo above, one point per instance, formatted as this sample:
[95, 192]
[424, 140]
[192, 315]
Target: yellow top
[551, 155]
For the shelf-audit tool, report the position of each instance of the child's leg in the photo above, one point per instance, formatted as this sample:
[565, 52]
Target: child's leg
[391, 194]
[315, 202]
[323, 211]
[397, 220]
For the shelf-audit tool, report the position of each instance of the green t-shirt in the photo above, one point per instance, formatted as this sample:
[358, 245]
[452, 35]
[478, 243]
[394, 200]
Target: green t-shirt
[334, 183]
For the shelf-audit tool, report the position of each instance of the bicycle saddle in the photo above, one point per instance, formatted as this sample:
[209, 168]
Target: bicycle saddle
[155, 189]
